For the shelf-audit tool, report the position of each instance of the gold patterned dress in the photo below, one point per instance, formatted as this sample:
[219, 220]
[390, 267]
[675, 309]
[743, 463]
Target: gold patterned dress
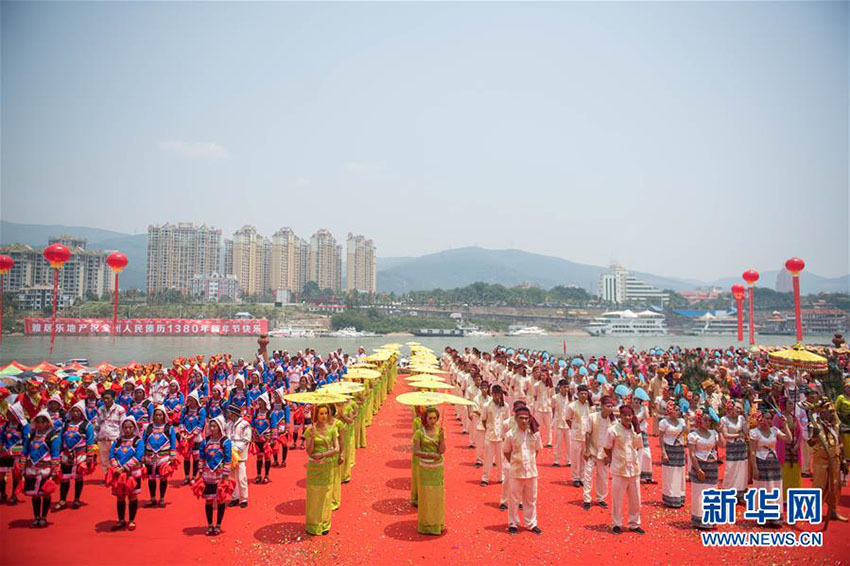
[431, 491]
[320, 482]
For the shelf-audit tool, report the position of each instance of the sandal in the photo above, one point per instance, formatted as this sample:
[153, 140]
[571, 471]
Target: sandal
[210, 531]
[266, 479]
[59, 506]
[131, 526]
[75, 505]
[217, 530]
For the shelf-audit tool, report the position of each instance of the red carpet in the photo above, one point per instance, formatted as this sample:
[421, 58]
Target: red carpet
[376, 525]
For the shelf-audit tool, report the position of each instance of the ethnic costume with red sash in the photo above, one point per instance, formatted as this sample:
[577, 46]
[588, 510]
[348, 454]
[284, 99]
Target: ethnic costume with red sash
[215, 464]
[41, 460]
[78, 449]
[126, 455]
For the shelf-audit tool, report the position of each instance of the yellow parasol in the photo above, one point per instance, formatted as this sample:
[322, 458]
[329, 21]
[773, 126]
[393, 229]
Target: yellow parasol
[799, 359]
[426, 369]
[430, 385]
[360, 373]
[426, 398]
[424, 377]
[364, 364]
[343, 387]
[380, 356]
[316, 397]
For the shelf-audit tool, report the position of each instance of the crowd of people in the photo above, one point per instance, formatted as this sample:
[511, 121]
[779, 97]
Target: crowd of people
[609, 419]
[213, 413]
[710, 417]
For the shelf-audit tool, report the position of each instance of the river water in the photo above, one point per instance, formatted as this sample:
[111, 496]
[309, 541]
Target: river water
[121, 350]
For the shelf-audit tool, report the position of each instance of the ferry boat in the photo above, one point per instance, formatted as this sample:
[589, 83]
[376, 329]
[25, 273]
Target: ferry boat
[525, 331]
[290, 332]
[459, 331]
[628, 323]
[713, 325]
[350, 332]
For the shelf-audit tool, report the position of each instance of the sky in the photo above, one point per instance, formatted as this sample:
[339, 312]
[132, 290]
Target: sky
[684, 139]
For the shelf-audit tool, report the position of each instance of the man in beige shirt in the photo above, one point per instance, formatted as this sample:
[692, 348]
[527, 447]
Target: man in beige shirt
[594, 452]
[560, 402]
[622, 450]
[578, 413]
[521, 446]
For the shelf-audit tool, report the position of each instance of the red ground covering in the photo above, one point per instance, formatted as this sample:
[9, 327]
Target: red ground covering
[376, 525]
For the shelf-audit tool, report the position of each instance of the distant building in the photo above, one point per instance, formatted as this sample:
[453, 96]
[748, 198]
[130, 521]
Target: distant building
[84, 273]
[286, 262]
[784, 283]
[618, 286]
[360, 265]
[325, 261]
[249, 261]
[822, 320]
[178, 252]
[701, 295]
[40, 296]
[215, 287]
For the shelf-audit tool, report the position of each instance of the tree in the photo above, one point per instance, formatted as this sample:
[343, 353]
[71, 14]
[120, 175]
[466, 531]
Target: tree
[310, 291]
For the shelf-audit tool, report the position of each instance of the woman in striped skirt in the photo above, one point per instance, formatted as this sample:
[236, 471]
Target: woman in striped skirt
[673, 430]
[702, 448]
[763, 458]
[735, 432]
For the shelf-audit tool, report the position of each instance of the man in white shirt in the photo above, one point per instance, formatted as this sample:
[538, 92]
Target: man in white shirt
[521, 446]
[594, 453]
[494, 418]
[578, 413]
[480, 401]
[159, 388]
[109, 417]
[622, 450]
[239, 431]
[541, 395]
[561, 431]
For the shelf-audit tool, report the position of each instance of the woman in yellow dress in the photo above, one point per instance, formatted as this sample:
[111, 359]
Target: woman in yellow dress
[429, 444]
[338, 424]
[349, 416]
[322, 446]
[418, 411]
[360, 433]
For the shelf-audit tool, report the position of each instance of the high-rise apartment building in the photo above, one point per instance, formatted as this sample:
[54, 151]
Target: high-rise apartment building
[360, 264]
[250, 266]
[325, 261]
[85, 272]
[178, 252]
[287, 261]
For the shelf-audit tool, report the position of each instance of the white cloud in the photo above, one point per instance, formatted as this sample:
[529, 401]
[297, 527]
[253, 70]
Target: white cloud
[364, 166]
[194, 149]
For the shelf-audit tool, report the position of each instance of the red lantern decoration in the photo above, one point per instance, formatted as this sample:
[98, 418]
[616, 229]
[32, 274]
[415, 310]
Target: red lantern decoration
[117, 262]
[795, 265]
[738, 293]
[6, 264]
[56, 255]
[751, 276]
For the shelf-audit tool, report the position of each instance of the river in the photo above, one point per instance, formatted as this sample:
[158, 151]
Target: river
[33, 349]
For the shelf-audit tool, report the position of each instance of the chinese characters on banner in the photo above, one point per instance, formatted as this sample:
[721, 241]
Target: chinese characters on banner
[149, 326]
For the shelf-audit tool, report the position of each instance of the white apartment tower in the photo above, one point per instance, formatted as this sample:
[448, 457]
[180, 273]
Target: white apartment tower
[360, 265]
[178, 252]
[325, 261]
[249, 260]
[618, 286]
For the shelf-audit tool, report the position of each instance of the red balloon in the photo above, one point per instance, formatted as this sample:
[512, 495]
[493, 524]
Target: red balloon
[795, 265]
[751, 276]
[57, 255]
[6, 264]
[117, 261]
[738, 291]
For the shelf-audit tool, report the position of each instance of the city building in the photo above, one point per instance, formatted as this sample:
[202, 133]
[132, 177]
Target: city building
[215, 287]
[822, 320]
[701, 295]
[286, 261]
[178, 252]
[84, 274]
[227, 257]
[249, 261]
[325, 261]
[618, 286]
[360, 265]
[38, 297]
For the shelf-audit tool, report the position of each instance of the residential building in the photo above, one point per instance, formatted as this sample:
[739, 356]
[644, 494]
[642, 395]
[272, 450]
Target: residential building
[286, 262]
[38, 297]
[360, 265]
[215, 287]
[325, 261]
[84, 273]
[178, 252]
[822, 320]
[618, 286]
[249, 261]
[227, 257]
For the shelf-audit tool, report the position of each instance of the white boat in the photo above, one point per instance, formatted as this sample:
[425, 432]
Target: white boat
[289, 332]
[628, 323]
[709, 324]
[525, 331]
[478, 333]
[350, 332]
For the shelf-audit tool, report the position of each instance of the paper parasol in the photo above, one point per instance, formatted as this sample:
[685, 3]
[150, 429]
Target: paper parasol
[360, 373]
[425, 398]
[430, 385]
[424, 377]
[799, 359]
[316, 397]
[343, 387]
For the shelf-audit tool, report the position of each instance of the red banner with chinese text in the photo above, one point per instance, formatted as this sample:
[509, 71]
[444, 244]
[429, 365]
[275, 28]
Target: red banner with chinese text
[150, 326]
